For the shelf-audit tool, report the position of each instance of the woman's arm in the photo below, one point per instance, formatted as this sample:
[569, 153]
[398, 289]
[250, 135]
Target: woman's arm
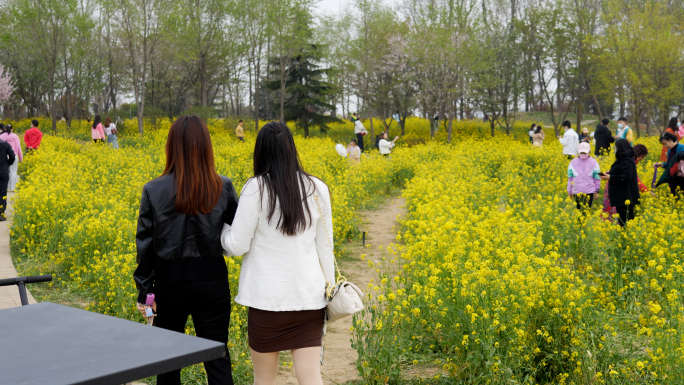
[324, 239]
[144, 240]
[237, 237]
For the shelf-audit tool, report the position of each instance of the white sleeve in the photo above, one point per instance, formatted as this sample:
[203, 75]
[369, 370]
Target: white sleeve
[325, 239]
[236, 239]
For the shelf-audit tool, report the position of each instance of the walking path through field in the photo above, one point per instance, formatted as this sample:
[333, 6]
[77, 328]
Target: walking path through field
[381, 226]
[9, 295]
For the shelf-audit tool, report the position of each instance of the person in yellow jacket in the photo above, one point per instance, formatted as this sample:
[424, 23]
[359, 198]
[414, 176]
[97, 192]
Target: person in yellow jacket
[239, 132]
[624, 131]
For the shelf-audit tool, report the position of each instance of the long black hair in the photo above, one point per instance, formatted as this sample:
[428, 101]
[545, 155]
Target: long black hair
[673, 124]
[97, 121]
[277, 163]
[623, 149]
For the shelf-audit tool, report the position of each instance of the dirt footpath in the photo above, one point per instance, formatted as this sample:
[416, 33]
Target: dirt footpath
[339, 366]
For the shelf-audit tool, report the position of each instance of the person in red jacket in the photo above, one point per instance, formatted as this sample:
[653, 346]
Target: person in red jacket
[32, 137]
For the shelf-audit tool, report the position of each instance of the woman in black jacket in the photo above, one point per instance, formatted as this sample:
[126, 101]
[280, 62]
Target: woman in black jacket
[624, 186]
[180, 257]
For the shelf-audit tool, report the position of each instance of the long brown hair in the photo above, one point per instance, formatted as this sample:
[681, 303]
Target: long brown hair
[190, 158]
[107, 122]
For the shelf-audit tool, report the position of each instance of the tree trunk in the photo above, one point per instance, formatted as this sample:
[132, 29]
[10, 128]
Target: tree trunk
[372, 131]
[282, 90]
[203, 79]
[256, 97]
[52, 102]
[598, 107]
[579, 118]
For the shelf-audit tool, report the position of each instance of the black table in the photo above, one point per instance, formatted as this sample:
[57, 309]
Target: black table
[53, 344]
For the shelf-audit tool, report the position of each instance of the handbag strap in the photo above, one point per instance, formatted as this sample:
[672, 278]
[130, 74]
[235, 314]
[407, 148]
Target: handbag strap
[330, 287]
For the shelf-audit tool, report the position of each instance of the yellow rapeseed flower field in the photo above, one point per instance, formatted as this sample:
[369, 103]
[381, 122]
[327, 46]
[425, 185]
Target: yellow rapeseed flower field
[494, 278]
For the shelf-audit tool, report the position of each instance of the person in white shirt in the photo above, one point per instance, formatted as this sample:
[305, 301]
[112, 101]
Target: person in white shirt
[360, 131]
[288, 257]
[570, 140]
[110, 131]
[385, 145]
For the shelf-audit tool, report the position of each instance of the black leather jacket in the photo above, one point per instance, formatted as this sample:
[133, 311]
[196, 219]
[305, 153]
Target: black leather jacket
[175, 247]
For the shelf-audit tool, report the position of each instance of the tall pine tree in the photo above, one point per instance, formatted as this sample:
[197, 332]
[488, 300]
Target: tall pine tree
[307, 95]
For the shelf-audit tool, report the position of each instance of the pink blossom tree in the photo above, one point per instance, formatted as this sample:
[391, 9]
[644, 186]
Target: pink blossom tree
[6, 87]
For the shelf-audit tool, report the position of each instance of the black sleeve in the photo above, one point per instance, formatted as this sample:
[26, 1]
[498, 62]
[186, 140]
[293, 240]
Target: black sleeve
[144, 241]
[229, 214]
[10, 155]
[621, 172]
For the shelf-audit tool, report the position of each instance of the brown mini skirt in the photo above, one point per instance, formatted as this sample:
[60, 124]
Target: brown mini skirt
[275, 331]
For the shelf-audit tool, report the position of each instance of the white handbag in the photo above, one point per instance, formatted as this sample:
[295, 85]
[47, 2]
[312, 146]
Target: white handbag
[344, 298]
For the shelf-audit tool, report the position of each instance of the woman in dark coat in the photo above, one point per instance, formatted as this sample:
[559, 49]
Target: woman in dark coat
[624, 186]
[179, 252]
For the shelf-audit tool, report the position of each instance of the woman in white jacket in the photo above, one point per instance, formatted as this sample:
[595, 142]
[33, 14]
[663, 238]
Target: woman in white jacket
[288, 257]
[570, 140]
[385, 145]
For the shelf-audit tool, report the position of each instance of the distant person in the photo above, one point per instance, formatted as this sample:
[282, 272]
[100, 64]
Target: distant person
[283, 229]
[538, 137]
[675, 152]
[239, 131]
[531, 132]
[14, 142]
[624, 186]
[353, 117]
[584, 181]
[624, 131]
[96, 130]
[584, 136]
[570, 140]
[354, 152]
[360, 131]
[604, 138]
[33, 137]
[178, 241]
[672, 127]
[111, 132]
[385, 146]
[7, 158]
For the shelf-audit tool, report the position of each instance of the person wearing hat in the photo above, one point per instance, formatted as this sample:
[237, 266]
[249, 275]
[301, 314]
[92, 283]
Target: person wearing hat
[584, 136]
[584, 181]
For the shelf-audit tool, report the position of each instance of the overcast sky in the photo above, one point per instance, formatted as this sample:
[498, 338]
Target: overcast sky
[328, 7]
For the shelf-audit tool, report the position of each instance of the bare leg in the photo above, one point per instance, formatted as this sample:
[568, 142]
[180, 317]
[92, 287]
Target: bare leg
[308, 365]
[265, 367]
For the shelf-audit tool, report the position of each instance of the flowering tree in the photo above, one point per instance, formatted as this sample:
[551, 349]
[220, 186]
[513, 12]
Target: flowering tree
[6, 87]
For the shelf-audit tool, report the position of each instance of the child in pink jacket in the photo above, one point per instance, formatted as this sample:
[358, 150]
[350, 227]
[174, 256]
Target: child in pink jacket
[584, 181]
